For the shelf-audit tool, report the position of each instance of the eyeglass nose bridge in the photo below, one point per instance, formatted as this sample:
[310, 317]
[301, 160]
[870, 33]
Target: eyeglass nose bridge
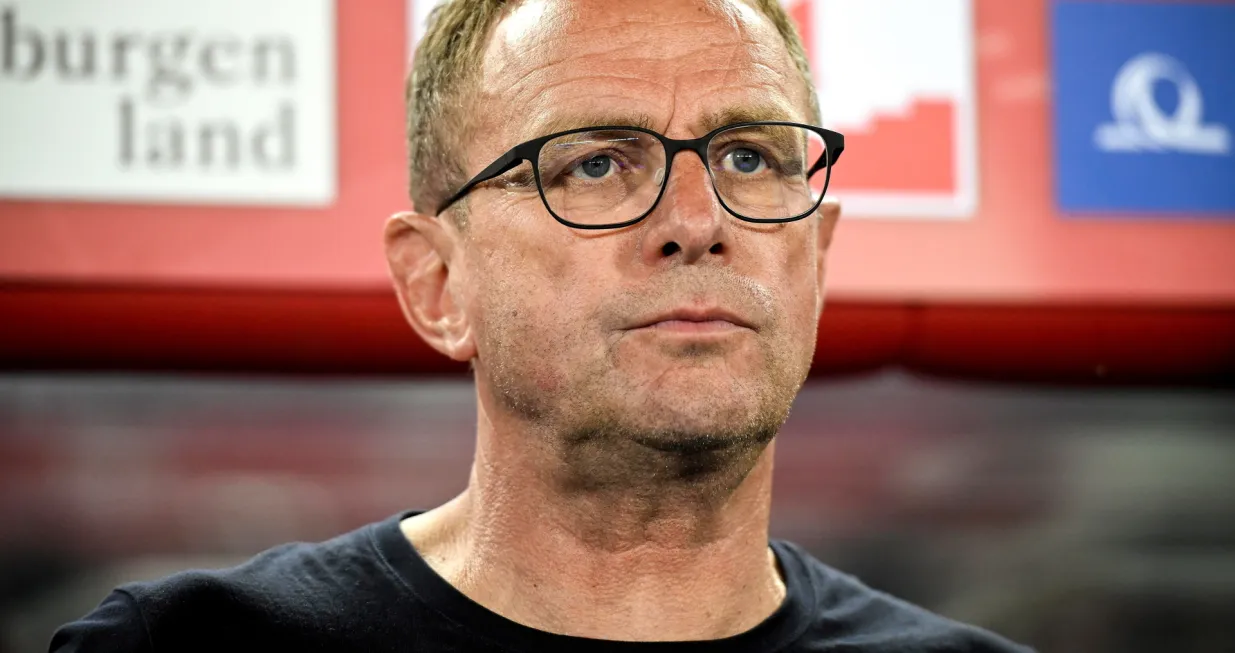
[673, 147]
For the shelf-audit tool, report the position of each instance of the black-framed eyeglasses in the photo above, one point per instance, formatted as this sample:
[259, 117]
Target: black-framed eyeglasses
[614, 176]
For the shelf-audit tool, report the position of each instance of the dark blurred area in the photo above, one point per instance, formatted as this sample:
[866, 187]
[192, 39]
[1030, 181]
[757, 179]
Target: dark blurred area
[1073, 519]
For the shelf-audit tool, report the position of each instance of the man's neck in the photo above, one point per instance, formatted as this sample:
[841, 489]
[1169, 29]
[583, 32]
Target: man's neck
[602, 564]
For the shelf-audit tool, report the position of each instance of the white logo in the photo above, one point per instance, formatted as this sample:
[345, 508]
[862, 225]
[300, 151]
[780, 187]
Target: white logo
[1141, 125]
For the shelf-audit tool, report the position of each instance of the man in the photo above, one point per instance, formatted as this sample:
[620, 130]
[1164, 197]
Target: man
[639, 323]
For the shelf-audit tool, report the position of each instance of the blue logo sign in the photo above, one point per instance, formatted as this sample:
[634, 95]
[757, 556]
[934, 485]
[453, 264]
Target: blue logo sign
[1144, 107]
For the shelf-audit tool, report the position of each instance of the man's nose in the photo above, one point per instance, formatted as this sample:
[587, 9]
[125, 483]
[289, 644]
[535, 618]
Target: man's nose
[689, 224]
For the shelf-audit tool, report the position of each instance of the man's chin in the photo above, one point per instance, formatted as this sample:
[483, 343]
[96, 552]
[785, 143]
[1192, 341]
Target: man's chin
[685, 423]
[730, 398]
[667, 438]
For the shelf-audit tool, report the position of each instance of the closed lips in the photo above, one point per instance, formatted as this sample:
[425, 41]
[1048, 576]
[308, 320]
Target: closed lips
[702, 316]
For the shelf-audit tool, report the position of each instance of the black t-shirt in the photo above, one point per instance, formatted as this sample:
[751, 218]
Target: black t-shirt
[369, 590]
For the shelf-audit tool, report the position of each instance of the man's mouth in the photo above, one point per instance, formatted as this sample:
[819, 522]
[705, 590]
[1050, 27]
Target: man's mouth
[694, 320]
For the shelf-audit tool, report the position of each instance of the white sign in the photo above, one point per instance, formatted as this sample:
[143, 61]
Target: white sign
[220, 102]
[898, 79]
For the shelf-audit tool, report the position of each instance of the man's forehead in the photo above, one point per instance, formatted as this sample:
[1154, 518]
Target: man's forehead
[523, 16]
[554, 65]
[706, 122]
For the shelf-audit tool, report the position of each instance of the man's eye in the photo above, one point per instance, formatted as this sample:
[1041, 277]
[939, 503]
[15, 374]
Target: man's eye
[597, 167]
[743, 160]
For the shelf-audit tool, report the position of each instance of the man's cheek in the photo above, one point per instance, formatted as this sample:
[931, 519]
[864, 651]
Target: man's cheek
[549, 349]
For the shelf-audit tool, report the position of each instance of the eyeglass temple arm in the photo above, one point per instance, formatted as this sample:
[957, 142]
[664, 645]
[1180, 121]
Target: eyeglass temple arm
[835, 145]
[503, 164]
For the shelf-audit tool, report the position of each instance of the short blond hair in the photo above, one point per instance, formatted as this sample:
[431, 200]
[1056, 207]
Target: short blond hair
[448, 60]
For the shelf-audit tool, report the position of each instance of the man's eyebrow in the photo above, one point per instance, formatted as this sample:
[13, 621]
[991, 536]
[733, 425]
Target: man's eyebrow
[569, 122]
[742, 113]
[710, 121]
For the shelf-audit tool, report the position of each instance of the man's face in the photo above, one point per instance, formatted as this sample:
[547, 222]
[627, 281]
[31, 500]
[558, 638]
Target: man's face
[685, 329]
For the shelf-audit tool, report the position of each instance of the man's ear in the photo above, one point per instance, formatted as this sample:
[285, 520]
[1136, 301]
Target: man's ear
[829, 215]
[420, 251]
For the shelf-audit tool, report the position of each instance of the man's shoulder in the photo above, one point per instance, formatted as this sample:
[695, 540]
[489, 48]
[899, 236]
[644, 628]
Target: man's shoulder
[847, 611]
[288, 576]
[284, 593]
